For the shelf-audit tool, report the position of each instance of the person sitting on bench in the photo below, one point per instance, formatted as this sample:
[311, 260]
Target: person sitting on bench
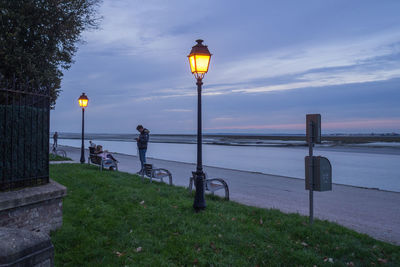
[104, 154]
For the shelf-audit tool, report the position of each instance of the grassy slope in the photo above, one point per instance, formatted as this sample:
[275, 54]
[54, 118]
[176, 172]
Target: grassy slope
[53, 157]
[107, 223]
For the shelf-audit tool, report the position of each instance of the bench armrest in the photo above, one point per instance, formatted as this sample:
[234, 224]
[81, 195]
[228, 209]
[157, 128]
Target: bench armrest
[215, 184]
[165, 172]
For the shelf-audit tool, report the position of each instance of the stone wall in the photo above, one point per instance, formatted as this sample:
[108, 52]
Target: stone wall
[20, 247]
[26, 218]
[36, 208]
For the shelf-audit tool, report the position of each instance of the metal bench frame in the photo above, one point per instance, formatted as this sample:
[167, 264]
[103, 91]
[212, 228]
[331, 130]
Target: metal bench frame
[156, 173]
[58, 152]
[211, 185]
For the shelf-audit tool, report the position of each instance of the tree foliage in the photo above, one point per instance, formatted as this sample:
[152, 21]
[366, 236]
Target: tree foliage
[38, 39]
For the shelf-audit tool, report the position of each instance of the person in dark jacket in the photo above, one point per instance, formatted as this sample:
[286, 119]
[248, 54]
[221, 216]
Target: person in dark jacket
[142, 141]
[55, 138]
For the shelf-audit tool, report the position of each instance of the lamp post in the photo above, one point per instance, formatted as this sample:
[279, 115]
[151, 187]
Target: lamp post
[83, 102]
[199, 59]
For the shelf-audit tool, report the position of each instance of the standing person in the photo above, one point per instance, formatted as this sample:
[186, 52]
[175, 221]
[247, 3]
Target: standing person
[142, 141]
[91, 144]
[55, 139]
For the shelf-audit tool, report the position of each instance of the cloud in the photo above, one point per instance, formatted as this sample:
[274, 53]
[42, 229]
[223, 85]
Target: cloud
[302, 58]
[363, 123]
[271, 64]
[352, 61]
[328, 79]
[223, 119]
[260, 127]
[178, 110]
[363, 59]
[161, 32]
[144, 28]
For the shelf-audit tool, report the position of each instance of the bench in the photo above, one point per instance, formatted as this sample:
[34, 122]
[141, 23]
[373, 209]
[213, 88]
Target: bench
[211, 185]
[102, 163]
[156, 173]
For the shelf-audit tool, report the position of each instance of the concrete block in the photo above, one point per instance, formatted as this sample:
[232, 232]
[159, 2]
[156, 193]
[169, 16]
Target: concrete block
[20, 247]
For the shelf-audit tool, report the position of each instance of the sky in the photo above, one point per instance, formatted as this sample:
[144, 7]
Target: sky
[272, 63]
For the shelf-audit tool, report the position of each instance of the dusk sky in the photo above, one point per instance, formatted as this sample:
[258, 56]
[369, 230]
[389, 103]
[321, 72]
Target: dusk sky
[273, 62]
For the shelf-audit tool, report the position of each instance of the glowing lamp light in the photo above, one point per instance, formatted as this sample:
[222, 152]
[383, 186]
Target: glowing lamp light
[83, 100]
[199, 59]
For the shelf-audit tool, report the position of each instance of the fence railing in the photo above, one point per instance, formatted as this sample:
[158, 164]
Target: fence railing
[24, 135]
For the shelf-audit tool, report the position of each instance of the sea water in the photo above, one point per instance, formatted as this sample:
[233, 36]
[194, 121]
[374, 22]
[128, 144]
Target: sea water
[369, 170]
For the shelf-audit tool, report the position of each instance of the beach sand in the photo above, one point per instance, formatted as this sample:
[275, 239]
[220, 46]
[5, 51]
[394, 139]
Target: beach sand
[369, 211]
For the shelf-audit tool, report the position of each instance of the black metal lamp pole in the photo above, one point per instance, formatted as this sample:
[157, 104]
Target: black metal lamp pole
[83, 137]
[199, 200]
[83, 101]
[199, 59]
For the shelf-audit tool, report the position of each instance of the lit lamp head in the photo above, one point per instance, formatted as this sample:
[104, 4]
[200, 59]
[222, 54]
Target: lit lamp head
[83, 100]
[199, 59]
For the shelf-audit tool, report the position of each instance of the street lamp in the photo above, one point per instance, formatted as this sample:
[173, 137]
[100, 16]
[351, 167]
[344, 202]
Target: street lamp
[83, 102]
[199, 59]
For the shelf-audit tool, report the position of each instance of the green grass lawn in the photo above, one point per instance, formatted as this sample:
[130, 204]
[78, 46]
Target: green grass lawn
[113, 219]
[53, 157]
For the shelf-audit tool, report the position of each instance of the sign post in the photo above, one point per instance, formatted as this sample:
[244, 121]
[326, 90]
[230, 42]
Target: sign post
[314, 166]
[313, 135]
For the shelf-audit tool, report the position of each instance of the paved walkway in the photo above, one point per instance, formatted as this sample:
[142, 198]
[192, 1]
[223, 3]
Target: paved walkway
[374, 212]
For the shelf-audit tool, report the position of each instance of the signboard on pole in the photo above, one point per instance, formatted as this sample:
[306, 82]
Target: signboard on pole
[322, 173]
[313, 128]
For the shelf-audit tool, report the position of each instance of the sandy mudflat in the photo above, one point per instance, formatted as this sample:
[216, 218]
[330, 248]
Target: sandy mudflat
[374, 212]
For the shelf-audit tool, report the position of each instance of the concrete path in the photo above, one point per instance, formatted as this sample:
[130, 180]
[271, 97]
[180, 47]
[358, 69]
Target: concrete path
[374, 212]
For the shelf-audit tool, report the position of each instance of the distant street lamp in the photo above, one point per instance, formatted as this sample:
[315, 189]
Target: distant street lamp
[199, 59]
[83, 102]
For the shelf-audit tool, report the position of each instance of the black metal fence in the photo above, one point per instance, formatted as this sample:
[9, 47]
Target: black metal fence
[24, 135]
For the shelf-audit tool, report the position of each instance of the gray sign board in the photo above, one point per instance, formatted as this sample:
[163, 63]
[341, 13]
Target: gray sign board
[313, 128]
[322, 174]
